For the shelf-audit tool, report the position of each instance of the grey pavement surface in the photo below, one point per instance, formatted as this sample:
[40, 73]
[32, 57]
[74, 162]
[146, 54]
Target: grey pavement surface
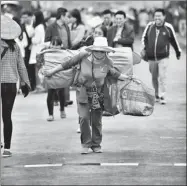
[155, 146]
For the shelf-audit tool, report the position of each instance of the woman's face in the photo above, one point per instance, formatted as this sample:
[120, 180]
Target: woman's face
[72, 19]
[99, 54]
[98, 32]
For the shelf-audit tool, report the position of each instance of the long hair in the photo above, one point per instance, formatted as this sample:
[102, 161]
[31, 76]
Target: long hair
[19, 23]
[39, 19]
[76, 14]
[11, 44]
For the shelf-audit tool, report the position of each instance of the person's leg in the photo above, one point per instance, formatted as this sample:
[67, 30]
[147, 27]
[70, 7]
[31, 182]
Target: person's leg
[56, 99]
[32, 77]
[8, 94]
[84, 119]
[50, 100]
[61, 95]
[153, 68]
[96, 120]
[67, 97]
[84, 115]
[163, 64]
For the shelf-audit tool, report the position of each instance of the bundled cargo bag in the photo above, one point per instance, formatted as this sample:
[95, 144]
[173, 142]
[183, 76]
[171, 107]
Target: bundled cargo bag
[136, 98]
[123, 60]
[52, 58]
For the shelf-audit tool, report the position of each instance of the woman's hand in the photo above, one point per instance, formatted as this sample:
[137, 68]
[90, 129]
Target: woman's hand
[48, 73]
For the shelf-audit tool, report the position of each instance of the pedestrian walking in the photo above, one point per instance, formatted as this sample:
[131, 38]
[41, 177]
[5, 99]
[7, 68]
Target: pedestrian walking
[99, 31]
[60, 28]
[95, 65]
[37, 40]
[77, 28]
[27, 24]
[12, 66]
[56, 45]
[107, 18]
[122, 34]
[156, 40]
[22, 43]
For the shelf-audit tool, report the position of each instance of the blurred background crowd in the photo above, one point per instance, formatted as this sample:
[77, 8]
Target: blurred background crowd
[31, 14]
[139, 13]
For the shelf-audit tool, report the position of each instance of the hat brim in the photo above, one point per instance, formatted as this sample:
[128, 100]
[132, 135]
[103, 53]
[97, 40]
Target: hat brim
[101, 49]
[9, 28]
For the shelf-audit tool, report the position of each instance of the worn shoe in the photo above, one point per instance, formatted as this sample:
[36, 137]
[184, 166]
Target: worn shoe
[162, 101]
[157, 98]
[50, 118]
[7, 153]
[62, 114]
[84, 150]
[97, 149]
[106, 113]
[79, 130]
[55, 103]
[69, 102]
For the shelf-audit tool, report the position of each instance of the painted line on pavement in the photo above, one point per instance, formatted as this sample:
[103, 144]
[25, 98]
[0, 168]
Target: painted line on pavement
[98, 164]
[43, 165]
[165, 137]
[180, 138]
[119, 164]
[180, 164]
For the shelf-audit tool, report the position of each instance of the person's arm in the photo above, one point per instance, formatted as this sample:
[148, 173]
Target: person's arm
[116, 74]
[173, 40]
[69, 63]
[25, 41]
[48, 34]
[22, 71]
[79, 36]
[128, 40]
[145, 35]
[37, 36]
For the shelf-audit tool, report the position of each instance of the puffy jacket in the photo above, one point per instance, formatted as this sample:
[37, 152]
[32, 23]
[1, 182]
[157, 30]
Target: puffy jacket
[156, 41]
[127, 36]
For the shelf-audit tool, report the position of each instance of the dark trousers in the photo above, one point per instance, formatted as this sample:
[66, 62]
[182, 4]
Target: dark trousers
[32, 75]
[51, 97]
[67, 94]
[8, 95]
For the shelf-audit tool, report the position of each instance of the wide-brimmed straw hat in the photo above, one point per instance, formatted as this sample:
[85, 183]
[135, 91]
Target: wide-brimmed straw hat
[9, 28]
[100, 44]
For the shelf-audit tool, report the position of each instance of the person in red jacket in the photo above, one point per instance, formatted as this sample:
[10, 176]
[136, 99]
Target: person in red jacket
[156, 40]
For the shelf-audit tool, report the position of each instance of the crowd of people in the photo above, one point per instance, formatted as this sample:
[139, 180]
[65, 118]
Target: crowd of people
[68, 31]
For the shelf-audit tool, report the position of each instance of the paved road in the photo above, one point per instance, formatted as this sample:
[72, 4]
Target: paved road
[137, 150]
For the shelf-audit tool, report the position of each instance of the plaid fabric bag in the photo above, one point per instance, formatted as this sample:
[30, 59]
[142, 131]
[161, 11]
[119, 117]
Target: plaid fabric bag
[137, 99]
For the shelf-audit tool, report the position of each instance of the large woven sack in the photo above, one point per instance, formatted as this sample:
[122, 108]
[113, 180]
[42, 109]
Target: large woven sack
[61, 79]
[137, 99]
[123, 60]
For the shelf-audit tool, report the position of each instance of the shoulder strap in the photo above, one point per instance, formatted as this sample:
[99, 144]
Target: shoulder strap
[3, 53]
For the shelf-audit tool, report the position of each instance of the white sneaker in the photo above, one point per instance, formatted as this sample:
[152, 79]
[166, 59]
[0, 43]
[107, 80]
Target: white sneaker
[7, 153]
[162, 101]
[50, 118]
[79, 130]
[62, 114]
[84, 150]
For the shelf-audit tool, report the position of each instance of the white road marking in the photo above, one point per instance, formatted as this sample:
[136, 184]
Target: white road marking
[181, 138]
[180, 164]
[119, 164]
[166, 137]
[44, 165]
